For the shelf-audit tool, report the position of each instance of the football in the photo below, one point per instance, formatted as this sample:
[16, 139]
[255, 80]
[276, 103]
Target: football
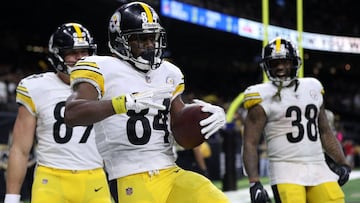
[186, 128]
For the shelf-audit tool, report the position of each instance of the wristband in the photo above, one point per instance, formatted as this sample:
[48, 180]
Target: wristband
[12, 198]
[118, 104]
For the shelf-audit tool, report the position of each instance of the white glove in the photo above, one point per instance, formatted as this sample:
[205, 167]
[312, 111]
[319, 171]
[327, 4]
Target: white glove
[144, 100]
[214, 122]
[12, 198]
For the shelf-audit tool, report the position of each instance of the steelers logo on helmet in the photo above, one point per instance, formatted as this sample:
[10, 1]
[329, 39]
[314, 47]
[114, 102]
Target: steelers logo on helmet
[114, 25]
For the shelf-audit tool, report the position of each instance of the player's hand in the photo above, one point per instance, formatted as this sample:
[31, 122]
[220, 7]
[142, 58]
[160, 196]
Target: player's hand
[344, 172]
[214, 122]
[142, 100]
[258, 194]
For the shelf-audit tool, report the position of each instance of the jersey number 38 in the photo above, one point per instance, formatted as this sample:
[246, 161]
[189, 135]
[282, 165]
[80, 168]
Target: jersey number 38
[311, 112]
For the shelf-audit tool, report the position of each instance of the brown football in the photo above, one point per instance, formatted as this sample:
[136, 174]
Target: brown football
[186, 127]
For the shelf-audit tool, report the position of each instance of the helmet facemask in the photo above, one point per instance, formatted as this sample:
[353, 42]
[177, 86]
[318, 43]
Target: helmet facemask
[149, 57]
[133, 22]
[267, 67]
[280, 49]
[69, 36]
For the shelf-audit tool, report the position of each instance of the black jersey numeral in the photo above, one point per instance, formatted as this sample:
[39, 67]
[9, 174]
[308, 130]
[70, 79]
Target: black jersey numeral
[160, 123]
[62, 139]
[311, 112]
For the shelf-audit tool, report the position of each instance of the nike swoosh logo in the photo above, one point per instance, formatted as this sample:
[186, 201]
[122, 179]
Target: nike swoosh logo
[258, 192]
[97, 189]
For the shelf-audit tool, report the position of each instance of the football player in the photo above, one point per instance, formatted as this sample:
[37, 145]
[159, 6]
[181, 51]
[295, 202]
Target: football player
[290, 112]
[130, 98]
[69, 167]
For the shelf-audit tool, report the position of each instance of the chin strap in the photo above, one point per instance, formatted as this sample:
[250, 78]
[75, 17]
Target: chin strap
[296, 84]
[277, 94]
[281, 85]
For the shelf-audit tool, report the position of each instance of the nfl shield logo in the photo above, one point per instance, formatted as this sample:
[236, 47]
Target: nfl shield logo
[44, 181]
[129, 191]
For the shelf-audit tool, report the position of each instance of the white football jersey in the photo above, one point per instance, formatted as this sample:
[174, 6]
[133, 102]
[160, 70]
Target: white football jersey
[131, 142]
[291, 131]
[58, 146]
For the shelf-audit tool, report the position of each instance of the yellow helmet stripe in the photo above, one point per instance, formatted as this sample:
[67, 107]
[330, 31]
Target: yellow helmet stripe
[277, 44]
[77, 30]
[148, 12]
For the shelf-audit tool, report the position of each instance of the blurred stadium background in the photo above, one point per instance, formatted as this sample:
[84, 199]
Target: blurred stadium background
[218, 65]
[204, 54]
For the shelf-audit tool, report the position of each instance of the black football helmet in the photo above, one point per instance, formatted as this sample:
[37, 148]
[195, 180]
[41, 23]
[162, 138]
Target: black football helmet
[280, 48]
[68, 36]
[136, 18]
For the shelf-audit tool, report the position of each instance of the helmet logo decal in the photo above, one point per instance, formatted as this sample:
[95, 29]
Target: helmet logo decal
[115, 23]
